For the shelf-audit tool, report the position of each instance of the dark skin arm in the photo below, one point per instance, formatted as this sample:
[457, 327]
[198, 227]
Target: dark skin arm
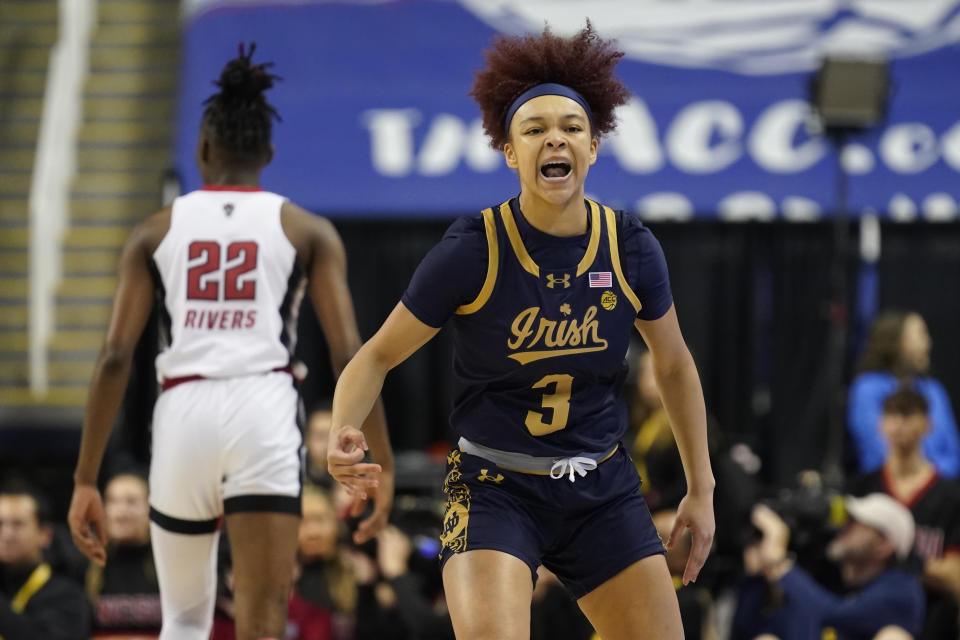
[132, 304]
[320, 249]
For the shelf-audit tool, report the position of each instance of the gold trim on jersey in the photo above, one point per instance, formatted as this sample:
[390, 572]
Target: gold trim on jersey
[521, 251]
[615, 259]
[493, 261]
[594, 243]
[514, 234]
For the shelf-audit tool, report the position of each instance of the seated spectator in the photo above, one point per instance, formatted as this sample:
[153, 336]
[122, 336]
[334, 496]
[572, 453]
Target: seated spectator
[898, 352]
[654, 449]
[422, 615]
[909, 477]
[695, 602]
[554, 614]
[318, 432]
[124, 592]
[327, 578]
[782, 601]
[34, 603]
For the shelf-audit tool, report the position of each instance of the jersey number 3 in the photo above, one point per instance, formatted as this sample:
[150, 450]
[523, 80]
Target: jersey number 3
[204, 257]
[558, 402]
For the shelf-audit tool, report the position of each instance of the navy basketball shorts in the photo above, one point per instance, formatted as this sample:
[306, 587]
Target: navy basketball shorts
[585, 532]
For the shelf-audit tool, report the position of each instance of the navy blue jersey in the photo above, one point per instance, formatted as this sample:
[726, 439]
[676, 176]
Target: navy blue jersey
[539, 351]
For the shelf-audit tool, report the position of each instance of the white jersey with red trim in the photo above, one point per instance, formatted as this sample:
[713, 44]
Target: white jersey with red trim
[230, 285]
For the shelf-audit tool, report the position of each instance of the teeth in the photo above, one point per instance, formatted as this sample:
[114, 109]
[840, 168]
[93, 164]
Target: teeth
[555, 169]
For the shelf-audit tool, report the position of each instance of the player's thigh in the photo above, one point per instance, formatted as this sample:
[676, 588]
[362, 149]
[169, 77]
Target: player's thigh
[263, 546]
[262, 442]
[638, 602]
[186, 454]
[488, 595]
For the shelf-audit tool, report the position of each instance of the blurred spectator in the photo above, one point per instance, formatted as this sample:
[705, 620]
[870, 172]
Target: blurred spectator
[318, 431]
[424, 615]
[657, 458]
[654, 450]
[783, 601]
[34, 603]
[695, 602]
[898, 352]
[124, 592]
[327, 578]
[909, 477]
[555, 614]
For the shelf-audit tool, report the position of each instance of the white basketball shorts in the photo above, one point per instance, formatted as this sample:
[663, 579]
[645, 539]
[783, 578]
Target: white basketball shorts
[224, 446]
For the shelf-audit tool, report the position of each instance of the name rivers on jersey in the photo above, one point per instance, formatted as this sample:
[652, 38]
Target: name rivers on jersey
[220, 320]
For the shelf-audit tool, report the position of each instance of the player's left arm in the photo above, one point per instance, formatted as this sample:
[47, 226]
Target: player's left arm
[333, 304]
[132, 305]
[679, 385]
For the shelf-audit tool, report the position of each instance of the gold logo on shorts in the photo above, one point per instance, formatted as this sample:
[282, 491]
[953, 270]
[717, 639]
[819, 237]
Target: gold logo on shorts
[457, 514]
[454, 535]
[608, 300]
[485, 475]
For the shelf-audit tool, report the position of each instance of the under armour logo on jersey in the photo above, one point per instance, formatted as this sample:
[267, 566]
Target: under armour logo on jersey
[553, 280]
[485, 475]
[228, 208]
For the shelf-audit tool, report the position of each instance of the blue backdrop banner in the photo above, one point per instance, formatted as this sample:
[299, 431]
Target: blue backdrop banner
[377, 120]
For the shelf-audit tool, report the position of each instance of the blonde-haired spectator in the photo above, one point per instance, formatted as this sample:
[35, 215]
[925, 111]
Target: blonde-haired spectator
[124, 592]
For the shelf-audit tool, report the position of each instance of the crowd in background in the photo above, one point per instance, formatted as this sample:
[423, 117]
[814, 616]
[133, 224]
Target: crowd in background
[806, 561]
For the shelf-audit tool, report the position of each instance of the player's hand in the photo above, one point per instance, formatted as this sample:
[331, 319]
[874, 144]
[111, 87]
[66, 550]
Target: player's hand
[382, 502]
[695, 513]
[86, 523]
[393, 552]
[345, 454]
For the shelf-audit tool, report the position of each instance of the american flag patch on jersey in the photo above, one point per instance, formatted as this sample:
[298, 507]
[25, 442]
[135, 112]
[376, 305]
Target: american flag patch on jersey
[600, 279]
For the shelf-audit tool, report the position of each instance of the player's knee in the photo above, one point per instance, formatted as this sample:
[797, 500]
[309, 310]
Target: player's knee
[185, 630]
[262, 615]
[491, 630]
[892, 633]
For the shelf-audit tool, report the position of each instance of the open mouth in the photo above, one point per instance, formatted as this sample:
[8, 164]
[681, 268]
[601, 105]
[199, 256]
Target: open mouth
[555, 170]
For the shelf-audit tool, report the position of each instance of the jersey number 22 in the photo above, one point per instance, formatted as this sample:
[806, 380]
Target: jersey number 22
[204, 260]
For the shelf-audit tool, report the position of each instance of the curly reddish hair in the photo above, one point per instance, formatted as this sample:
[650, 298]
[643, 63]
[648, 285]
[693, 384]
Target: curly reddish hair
[584, 62]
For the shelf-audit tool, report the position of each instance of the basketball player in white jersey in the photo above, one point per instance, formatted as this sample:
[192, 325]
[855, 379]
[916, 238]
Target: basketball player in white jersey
[228, 265]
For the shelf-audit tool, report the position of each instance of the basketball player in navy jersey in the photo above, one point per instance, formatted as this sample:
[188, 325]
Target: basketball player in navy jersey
[228, 266]
[544, 290]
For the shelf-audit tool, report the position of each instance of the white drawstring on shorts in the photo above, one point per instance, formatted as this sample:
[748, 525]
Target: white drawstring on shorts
[576, 465]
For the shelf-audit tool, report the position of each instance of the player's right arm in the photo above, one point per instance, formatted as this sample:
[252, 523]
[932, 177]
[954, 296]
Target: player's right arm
[132, 304]
[451, 274]
[358, 387]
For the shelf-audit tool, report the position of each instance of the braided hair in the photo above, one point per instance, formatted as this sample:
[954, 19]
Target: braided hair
[584, 62]
[238, 119]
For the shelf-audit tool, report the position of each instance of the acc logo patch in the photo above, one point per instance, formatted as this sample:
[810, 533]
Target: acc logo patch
[608, 300]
